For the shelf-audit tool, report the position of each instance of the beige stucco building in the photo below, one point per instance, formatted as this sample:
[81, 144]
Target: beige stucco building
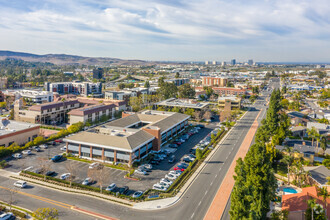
[17, 132]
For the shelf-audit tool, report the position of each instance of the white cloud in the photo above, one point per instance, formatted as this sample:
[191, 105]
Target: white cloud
[186, 29]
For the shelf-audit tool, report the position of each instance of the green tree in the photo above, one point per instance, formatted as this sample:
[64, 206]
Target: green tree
[288, 160]
[280, 215]
[199, 153]
[121, 85]
[135, 102]
[3, 105]
[186, 91]
[45, 214]
[11, 114]
[323, 143]
[147, 84]
[208, 90]
[323, 192]
[177, 75]
[167, 90]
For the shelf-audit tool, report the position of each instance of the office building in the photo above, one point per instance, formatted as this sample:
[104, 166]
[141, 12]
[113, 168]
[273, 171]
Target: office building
[34, 96]
[233, 62]
[127, 139]
[250, 62]
[16, 132]
[229, 102]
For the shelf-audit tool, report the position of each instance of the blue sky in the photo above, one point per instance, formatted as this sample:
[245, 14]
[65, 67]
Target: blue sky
[196, 30]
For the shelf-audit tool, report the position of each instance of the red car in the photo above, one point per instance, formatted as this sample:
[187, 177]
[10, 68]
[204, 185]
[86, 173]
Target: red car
[177, 142]
[59, 141]
[178, 168]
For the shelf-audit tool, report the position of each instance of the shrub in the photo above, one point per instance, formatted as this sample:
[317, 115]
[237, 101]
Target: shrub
[3, 164]
[18, 213]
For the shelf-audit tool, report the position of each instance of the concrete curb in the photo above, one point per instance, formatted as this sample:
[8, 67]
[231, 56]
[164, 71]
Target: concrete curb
[191, 179]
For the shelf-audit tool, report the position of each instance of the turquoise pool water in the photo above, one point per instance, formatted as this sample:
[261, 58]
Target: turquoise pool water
[289, 190]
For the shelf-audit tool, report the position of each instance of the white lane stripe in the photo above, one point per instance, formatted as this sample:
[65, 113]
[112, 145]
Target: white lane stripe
[192, 215]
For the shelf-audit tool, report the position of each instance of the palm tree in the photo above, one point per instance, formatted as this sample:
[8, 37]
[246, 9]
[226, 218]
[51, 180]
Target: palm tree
[311, 203]
[318, 139]
[323, 143]
[312, 133]
[288, 159]
[323, 192]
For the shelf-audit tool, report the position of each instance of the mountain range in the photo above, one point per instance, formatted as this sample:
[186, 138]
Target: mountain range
[64, 59]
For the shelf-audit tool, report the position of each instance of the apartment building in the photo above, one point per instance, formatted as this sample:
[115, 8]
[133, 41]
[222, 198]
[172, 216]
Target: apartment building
[127, 139]
[34, 96]
[16, 132]
[178, 81]
[214, 81]
[125, 94]
[75, 87]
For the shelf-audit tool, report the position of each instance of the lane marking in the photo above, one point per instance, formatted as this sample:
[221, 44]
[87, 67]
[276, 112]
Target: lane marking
[211, 183]
[206, 192]
[192, 215]
[199, 203]
[216, 176]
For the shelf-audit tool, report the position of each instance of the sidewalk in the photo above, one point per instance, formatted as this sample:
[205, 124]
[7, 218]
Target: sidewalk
[165, 203]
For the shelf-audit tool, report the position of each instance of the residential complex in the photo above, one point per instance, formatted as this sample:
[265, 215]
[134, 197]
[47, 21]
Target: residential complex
[129, 138]
[16, 132]
[214, 81]
[76, 87]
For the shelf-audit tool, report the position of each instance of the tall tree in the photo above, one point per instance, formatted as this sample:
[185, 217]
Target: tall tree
[186, 91]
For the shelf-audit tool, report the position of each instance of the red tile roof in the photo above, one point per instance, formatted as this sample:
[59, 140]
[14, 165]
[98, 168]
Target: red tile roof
[298, 201]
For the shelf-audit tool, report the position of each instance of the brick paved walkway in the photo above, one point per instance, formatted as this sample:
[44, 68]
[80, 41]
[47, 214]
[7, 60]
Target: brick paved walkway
[220, 200]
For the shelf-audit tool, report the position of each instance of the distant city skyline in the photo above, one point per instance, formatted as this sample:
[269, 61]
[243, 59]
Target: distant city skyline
[170, 30]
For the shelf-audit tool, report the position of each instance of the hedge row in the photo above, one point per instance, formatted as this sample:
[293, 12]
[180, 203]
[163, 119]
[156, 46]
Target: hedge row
[14, 148]
[14, 211]
[74, 185]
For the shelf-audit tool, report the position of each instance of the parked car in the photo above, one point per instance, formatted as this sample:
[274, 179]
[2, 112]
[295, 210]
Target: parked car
[51, 143]
[57, 158]
[65, 176]
[177, 142]
[20, 184]
[7, 216]
[50, 173]
[137, 194]
[173, 145]
[17, 156]
[159, 187]
[36, 148]
[141, 172]
[188, 159]
[58, 140]
[200, 126]
[63, 148]
[123, 190]
[175, 172]
[87, 181]
[148, 166]
[183, 165]
[179, 168]
[155, 162]
[27, 152]
[166, 185]
[43, 146]
[171, 159]
[170, 176]
[111, 187]
[95, 166]
[164, 180]
[38, 171]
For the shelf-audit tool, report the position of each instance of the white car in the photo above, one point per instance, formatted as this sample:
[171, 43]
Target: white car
[43, 146]
[95, 166]
[27, 152]
[87, 181]
[142, 172]
[17, 156]
[170, 176]
[111, 187]
[159, 187]
[166, 185]
[63, 148]
[64, 176]
[7, 216]
[20, 184]
[163, 180]
[175, 173]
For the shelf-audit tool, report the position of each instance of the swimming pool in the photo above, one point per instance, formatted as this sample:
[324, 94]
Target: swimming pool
[289, 190]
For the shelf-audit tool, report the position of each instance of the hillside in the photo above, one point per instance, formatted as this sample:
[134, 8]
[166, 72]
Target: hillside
[64, 59]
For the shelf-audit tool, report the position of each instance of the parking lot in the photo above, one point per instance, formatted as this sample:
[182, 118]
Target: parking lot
[112, 175]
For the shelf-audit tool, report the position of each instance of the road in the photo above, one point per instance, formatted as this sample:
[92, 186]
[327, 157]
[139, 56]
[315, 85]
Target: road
[193, 205]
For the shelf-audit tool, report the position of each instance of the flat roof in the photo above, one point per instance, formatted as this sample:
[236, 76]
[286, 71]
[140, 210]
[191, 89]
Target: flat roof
[187, 103]
[11, 126]
[122, 135]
